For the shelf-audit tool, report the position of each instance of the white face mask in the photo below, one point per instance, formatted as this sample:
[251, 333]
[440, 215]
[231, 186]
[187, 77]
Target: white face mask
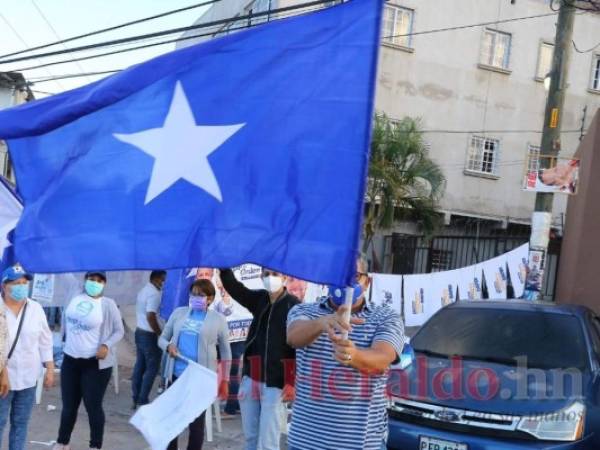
[272, 283]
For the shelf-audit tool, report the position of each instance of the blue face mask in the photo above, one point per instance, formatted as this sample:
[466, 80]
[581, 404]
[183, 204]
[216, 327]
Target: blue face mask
[19, 292]
[338, 294]
[93, 288]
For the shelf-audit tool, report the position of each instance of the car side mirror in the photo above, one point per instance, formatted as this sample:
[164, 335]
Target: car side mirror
[407, 357]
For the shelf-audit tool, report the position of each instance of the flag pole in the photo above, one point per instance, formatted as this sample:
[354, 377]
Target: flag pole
[348, 305]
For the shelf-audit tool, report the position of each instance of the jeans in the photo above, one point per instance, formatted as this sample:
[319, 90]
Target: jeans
[196, 433]
[19, 405]
[237, 350]
[53, 316]
[81, 379]
[261, 414]
[146, 367]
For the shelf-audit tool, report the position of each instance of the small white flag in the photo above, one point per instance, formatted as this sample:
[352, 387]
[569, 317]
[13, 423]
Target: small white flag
[171, 412]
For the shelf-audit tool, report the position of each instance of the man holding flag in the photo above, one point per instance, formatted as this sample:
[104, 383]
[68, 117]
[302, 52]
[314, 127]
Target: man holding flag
[340, 382]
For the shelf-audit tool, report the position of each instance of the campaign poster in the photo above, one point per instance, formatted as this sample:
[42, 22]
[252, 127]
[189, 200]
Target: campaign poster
[561, 176]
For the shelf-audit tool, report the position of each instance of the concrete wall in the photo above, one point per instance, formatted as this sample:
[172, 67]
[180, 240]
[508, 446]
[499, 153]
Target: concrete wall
[578, 280]
[438, 79]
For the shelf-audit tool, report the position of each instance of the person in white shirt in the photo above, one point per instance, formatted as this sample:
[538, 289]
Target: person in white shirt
[92, 326]
[147, 332]
[30, 347]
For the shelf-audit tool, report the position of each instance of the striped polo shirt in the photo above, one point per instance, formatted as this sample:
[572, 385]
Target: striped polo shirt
[338, 407]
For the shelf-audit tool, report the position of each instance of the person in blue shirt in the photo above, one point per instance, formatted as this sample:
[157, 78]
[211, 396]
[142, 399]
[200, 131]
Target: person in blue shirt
[193, 332]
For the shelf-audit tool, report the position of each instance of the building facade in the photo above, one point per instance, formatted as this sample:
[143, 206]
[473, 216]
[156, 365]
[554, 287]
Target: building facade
[13, 91]
[473, 71]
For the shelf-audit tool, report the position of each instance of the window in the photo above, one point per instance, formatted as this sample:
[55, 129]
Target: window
[544, 60]
[533, 158]
[495, 49]
[595, 80]
[483, 155]
[397, 24]
[549, 341]
[440, 260]
[596, 335]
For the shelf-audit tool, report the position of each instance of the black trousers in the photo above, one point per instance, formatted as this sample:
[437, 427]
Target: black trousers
[82, 379]
[196, 438]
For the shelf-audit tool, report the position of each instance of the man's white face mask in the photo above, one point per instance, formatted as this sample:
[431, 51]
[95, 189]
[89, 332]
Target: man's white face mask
[272, 283]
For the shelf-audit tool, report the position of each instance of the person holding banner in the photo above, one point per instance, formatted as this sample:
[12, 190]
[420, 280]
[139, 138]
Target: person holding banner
[92, 326]
[193, 333]
[30, 347]
[342, 377]
[268, 360]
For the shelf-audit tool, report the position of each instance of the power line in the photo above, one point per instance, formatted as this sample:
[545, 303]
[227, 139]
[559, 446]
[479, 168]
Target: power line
[116, 27]
[16, 33]
[71, 75]
[585, 51]
[43, 16]
[169, 41]
[245, 17]
[167, 32]
[474, 25]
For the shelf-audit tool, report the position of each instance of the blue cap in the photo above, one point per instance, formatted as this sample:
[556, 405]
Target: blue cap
[100, 273]
[13, 273]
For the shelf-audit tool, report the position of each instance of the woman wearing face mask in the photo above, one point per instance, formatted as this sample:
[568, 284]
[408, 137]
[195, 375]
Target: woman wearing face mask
[193, 333]
[29, 346]
[92, 326]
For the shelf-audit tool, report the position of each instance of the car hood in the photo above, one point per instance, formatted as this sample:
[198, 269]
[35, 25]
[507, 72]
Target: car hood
[488, 387]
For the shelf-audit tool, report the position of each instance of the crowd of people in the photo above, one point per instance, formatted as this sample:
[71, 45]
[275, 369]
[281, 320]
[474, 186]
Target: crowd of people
[334, 371]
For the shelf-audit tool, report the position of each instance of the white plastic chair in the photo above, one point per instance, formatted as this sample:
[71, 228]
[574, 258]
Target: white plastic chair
[208, 420]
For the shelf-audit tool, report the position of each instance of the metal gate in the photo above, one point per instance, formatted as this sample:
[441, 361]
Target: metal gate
[418, 254]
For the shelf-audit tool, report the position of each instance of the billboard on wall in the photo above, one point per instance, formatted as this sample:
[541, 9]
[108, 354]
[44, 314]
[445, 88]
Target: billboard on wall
[555, 175]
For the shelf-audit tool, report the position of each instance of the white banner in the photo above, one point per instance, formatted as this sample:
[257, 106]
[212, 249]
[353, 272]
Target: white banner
[172, 411]
[469, 282]
[496, 277]
[517, 267]
[386, 290]
[418, 298]
[446, 287]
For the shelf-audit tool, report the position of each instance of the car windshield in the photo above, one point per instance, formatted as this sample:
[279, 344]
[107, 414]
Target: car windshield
[548, 341]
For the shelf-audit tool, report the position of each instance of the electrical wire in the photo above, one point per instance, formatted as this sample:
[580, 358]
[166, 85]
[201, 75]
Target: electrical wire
[245, 17]
[140, 47]
[116, 27]
[585, 51]
[474, 25]
[20, 38]
[167, 32]
[45, 19]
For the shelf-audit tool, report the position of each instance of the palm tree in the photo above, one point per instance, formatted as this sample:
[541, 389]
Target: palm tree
[403, 181]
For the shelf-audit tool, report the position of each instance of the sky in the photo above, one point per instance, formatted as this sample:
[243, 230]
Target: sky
[28, 23]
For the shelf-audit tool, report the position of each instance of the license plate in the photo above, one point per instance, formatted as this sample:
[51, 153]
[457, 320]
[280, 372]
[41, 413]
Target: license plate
[427, 443]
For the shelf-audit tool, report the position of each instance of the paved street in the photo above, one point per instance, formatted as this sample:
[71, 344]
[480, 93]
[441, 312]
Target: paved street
[119, 434]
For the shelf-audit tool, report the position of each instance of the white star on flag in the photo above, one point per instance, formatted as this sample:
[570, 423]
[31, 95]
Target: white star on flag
[181, 148]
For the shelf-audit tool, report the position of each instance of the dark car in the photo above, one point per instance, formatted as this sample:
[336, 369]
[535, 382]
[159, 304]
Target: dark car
[497, 376]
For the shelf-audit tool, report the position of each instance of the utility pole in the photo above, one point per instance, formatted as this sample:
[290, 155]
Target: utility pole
[542, 217]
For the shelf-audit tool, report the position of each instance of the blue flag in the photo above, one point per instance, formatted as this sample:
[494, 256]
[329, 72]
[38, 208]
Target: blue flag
[251, 148]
